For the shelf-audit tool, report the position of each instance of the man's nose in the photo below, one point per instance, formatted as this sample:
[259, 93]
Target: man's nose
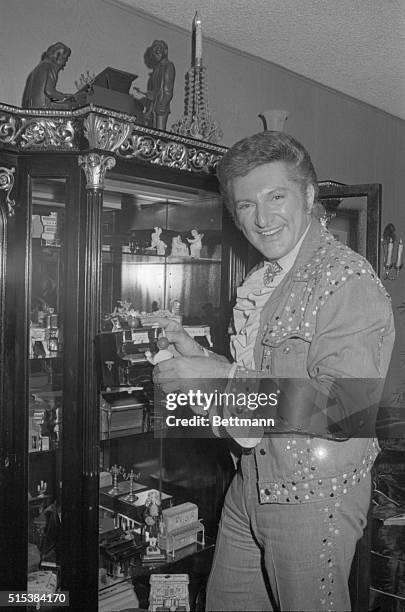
[263, 214]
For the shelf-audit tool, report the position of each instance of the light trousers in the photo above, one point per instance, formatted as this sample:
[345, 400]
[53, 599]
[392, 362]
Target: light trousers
[285, 557]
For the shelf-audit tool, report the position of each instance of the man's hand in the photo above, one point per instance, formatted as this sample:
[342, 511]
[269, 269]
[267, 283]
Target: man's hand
[182, 342]
[177, 374]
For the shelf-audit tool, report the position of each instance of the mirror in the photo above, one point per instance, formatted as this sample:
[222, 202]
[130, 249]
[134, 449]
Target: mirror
[161, 250]
[352, 214]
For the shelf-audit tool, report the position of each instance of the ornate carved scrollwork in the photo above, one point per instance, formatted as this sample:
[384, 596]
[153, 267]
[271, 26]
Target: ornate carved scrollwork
[104, 132]
[95, 166]
[46, 133]
[37, 132]
[6, 184]
[171, 153]
[8, 129]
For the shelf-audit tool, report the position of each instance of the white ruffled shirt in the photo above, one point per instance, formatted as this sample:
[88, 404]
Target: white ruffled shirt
[250, 299]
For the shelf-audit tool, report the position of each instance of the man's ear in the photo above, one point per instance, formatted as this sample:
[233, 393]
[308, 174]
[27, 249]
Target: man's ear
[310, 198]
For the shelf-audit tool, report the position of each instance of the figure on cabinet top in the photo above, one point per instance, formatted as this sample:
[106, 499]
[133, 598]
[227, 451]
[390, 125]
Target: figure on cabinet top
[179, 248]
[160, 85]
[195, 243]
[40, 89]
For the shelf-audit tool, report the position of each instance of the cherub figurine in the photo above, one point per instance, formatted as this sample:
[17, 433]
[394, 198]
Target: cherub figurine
[195, 243]
[161, 247]
[155, 237]
[179, 248]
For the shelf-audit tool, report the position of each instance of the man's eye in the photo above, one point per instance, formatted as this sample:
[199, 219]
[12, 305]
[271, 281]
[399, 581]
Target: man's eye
[278, 196]
[243, 205]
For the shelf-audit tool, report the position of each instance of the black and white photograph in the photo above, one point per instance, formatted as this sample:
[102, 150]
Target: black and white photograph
[202, 305]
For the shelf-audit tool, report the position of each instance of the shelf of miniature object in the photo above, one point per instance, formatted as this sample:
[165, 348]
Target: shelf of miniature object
[150, 258]
[42, 453]
[56, 356]
[45, 244]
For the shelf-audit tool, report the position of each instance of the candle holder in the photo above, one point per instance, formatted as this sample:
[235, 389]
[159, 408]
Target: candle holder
[115, 470]
[392, 253]
[131, 497]
[197, 121]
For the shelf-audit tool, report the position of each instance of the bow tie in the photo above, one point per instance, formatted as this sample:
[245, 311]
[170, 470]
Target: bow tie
[272, 268]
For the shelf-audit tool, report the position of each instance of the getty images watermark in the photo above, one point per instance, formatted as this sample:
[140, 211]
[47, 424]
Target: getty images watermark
[232, 401]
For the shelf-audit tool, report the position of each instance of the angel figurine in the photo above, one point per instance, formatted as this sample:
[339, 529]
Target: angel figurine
[161, 247]
[195, 243]
[155, 237]
[179, 248]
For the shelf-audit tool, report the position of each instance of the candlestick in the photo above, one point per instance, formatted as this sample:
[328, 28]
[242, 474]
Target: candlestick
[388, 261]
[399, 254]
[197, 28]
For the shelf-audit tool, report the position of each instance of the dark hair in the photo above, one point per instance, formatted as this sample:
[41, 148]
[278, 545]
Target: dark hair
[264, 148]
[50, 52]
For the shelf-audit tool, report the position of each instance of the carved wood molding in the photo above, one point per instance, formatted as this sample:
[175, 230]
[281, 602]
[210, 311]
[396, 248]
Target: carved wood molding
[7, 184]
[93, 127]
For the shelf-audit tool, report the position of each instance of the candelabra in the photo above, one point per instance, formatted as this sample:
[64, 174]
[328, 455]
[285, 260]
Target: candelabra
[131, 497]
[115, 470]
[197, 121]
[392, 253]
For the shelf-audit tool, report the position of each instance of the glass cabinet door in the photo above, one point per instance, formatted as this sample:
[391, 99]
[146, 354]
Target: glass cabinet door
[161, 255]
[45, 378]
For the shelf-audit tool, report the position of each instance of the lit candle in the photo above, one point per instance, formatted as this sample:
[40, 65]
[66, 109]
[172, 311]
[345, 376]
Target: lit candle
[388, 262]
[197, 27]
[399, 254]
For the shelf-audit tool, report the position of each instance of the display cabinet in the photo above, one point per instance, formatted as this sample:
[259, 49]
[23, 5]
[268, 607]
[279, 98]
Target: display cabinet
[103, 223]
[99, 217]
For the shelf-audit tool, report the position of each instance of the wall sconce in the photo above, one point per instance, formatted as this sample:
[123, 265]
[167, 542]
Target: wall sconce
[392, 253]
[274, 119]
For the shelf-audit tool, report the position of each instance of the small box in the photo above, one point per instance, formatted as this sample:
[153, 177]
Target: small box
[169, 592]
[181, 537]
[179, 516]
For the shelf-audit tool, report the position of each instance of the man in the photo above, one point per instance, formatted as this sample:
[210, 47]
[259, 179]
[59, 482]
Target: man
[160, 85]
[315, 323]
[40, 89]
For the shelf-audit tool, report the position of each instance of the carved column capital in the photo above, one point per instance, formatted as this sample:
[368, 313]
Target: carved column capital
[6, 184]
[95, 166]
[105, 132]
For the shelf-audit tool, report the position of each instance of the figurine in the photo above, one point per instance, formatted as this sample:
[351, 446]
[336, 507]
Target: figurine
[179, 248]
[155, 237]
[162, 354]
[195, 243]
[160, 85]
[40, 89]
[152, 516]
[161, 247]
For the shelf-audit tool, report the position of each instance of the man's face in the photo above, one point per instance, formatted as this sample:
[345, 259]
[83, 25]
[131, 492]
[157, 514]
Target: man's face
[271, 209]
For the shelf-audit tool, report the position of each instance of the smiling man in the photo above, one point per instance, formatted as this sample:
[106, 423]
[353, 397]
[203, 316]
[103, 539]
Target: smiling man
[314, 318]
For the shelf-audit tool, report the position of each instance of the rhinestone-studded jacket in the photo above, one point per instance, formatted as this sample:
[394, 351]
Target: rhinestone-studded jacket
[330, 317]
